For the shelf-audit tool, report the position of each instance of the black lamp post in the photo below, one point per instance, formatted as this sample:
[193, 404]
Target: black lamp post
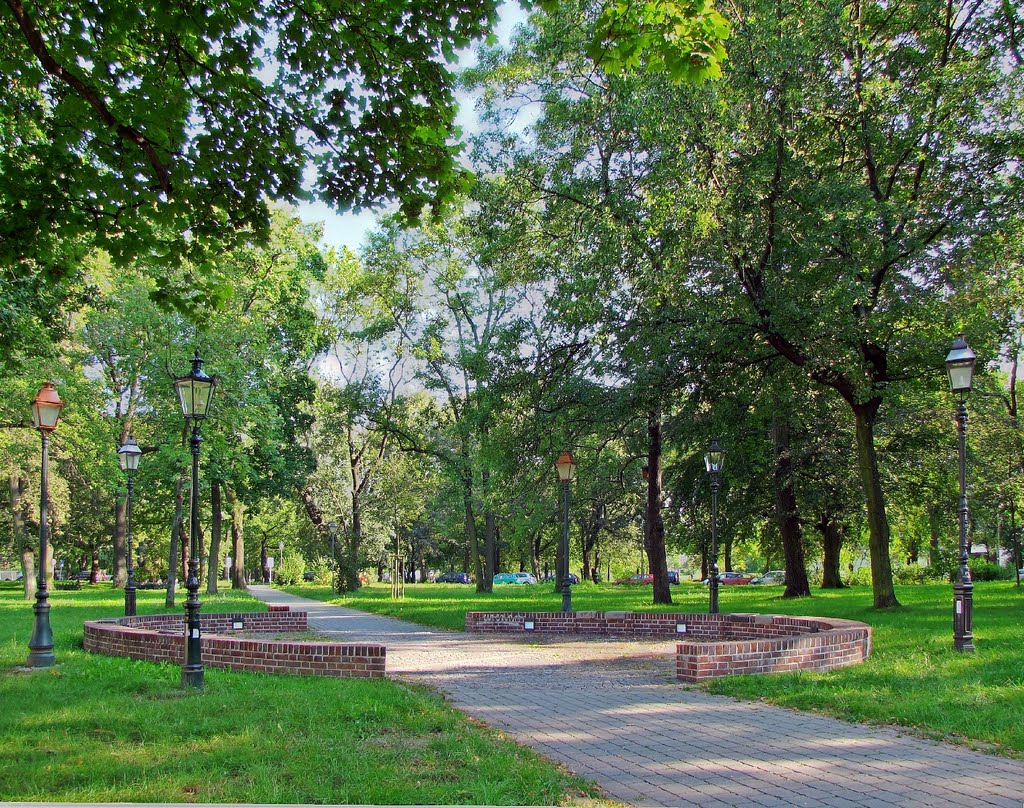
[194, 394]
[332, 531]
[566, 473]
[128, 456]
[45, 412]
[960, 367]
[714, 459]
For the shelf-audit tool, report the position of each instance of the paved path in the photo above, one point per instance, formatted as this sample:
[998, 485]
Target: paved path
[612, 712]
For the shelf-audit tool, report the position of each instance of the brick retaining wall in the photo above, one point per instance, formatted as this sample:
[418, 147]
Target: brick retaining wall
[161, 638]
[716, 644]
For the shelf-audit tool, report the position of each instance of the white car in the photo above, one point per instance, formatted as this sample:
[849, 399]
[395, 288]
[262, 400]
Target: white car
[523, 578]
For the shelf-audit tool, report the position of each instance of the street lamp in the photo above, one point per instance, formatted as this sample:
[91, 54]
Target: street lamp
[128, 456]
[960, 366]
[45, 412]
[714, 459]
[194, 394]
[566, 473]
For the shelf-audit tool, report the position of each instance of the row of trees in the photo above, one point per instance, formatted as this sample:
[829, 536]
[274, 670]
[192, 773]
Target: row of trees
[779, 258]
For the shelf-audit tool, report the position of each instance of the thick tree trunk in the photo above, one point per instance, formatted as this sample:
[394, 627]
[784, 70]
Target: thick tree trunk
[483, 583]
[176, 524]
[878, 523]
[120, 571]
[832, 543]
[490, 559]
[239, 579]
[787, 513]
[655, 539]
[22, 544]
[727, 552]
[216, 523]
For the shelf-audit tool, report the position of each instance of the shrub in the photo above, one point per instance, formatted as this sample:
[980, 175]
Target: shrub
[323, 571]
[290, 571]
[982, 570]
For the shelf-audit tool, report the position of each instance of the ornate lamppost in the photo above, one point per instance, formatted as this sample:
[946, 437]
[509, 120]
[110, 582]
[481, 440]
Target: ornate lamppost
[566, 473]
[714, 459]
[960, 366]
[45, 413]
[195, 392]
[128, 456]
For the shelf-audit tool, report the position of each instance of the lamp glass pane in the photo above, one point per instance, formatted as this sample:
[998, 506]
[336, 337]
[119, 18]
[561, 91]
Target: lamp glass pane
[202, 392]
[960, 377]
[45, 415]
[184, 387]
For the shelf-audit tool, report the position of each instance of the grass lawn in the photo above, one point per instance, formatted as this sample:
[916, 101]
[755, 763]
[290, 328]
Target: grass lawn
[102, 729]
[913, 678]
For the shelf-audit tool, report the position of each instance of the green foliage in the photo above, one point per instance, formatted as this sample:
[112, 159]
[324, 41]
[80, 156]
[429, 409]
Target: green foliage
[290, 571]
[984, 570]
[683, 40]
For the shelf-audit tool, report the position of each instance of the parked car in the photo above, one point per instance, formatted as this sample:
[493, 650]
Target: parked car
[772, 577]
[503, 578]
[637, 579]
[673, 576]
[523, 578]
[454, 578]
[551, 578]
[308, 575]
[728, 578]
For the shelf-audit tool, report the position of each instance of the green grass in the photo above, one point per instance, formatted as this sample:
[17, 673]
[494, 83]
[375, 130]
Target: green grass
[913, 678]
[103, 729]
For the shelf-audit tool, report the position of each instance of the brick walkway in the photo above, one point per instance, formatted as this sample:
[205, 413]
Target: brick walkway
[612, 712]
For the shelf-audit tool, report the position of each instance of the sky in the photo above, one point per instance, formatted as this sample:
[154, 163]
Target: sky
[350, 229]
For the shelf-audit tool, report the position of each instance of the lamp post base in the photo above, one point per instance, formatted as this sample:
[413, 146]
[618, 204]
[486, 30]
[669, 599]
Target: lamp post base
[566, 596]
[129, 599]
[40, 646]
[963, 606]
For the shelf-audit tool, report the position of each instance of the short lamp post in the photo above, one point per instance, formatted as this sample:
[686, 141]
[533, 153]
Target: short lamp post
[714, 459]
[128, 456]
[45, 413]
[280, 559]
[195, 392]
[960, 366]
[566, 473]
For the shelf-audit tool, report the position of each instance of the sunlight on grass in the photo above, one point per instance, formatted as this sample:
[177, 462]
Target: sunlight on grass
[913, 678]
[105, 729]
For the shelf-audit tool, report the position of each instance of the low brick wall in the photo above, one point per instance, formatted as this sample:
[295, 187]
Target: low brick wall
[161, 638]
[716, 644]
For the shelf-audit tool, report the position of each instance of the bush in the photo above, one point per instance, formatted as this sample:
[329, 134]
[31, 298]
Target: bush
[290, 571]
[323, 571]
[982, 570]
[859, 577]
[915, 574]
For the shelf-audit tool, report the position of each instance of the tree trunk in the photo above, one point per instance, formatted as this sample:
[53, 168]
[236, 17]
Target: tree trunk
[355, 538]
[22, 545]
[933, 535]
[832, 543]
[239, 579]
[213, 568]
[727, 552]
[176, 524]
[787, 513]
[483, 584]
[655, 538]
[878, 523]
[120, 542]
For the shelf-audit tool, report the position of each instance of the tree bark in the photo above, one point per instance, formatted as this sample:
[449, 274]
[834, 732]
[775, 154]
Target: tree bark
[878, 524]
[933, 535]
[787, 513]
[655, 538]
[22, 544]
[120, 541]
[832, 543]
[239, 579]
[176, 524]
[213, 568]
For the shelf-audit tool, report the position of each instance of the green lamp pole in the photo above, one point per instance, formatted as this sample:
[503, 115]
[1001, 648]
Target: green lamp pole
[960, 366]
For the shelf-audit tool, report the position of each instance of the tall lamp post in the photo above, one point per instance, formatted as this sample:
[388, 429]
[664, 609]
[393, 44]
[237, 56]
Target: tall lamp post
[45, 412]
[566, 473]
[128, 456]
[714, 459]
[960, 366]
[195, 392]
